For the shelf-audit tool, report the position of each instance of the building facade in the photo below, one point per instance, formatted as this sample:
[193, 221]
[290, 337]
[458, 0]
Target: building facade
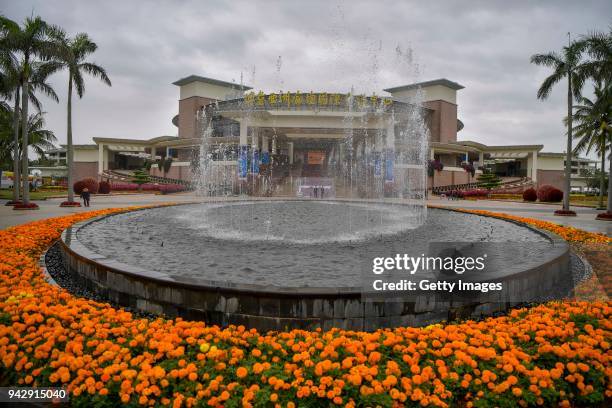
[287, 133]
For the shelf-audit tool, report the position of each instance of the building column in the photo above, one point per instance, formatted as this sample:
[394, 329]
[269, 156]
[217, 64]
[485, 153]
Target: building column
[274, 145]
[153, 153]
[264, 144]
[534, 166]
[243, 132]
[391, 134]
[481, 159]
[390, 152]
[290, 152]
[100, 159]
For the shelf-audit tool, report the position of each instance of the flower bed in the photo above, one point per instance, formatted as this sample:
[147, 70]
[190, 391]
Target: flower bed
[557, 353]
[70, 204]
[22, 206]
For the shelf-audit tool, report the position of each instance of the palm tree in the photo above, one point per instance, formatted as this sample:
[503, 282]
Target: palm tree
[593, 127]
[71, 56]
[10, 86]
[564, 66]
[598, 47]
[5, 135]
[32, 42]
[40, 139]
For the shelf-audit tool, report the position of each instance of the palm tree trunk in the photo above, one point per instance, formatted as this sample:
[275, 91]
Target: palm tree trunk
[69, 152]
[602, 180]
[568, 157]
[16, 172]
[610, 182]
[24, 151]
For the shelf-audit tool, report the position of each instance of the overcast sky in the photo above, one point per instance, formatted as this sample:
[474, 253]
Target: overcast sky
[318, 45]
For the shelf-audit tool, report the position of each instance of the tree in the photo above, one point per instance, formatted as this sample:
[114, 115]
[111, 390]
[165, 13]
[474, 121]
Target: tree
[593, 127]
[72, 54]
[488, 180]
[40, 139]
[432, 167]
[593, 179]
[5, 136]
[33, 44]
[597, 46]
[564, 67]
[10, 85]
[164, 164]
[140, 177]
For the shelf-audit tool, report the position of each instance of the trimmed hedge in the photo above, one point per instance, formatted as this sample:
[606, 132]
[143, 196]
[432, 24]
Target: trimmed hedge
[530, 194]
[550, 194]
[91, 184]
[104, 187]
[163, 188]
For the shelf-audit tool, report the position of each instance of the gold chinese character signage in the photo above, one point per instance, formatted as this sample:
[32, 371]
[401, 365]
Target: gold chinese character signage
[314, 99]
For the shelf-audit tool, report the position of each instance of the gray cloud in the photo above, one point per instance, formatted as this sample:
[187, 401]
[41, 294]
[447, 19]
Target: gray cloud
[323, 45]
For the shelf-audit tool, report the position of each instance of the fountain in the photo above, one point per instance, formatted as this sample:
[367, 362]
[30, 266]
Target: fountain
[297, 191]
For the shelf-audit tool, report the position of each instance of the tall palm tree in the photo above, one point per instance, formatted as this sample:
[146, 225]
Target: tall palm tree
[10, 86]
[564, 67]
[6, 135]
[72, 56]
[33, 44]
[598, 47]
[593, 127]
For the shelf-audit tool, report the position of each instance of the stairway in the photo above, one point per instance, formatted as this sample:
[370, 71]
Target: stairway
[126, 176]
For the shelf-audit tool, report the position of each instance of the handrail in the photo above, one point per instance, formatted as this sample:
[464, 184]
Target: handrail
[465, 186]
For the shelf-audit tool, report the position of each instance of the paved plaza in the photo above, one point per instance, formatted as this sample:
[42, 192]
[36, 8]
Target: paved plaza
[585, 218]
[50, 208]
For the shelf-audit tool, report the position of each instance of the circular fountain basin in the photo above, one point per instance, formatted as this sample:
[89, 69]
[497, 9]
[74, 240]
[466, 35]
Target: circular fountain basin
[286, 263]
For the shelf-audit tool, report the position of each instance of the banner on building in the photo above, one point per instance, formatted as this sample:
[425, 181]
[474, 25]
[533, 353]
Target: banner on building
[389, 159]
[316, 157]
[265, 158]
[243, 162]
[377, 164]
[255, 162]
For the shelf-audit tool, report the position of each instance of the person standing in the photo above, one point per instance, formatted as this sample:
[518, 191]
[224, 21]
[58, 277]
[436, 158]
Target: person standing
[85, 195]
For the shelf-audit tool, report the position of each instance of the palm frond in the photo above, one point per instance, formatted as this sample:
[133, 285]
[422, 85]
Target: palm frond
[96, 71]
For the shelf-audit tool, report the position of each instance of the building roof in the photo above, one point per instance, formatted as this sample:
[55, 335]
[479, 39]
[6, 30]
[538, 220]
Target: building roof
[197, 78]
[79, 146]
[441, 81]
[562, 155]
[537, 147]
[131, 141]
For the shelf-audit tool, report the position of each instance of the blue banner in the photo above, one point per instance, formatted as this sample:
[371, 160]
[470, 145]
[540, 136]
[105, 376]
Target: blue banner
[265, 158]
[243, 162]
[389, 165]
[377, 164]
[255, 162]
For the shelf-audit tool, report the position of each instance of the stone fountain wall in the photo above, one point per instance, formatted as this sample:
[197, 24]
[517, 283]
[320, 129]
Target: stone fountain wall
[266, 308]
